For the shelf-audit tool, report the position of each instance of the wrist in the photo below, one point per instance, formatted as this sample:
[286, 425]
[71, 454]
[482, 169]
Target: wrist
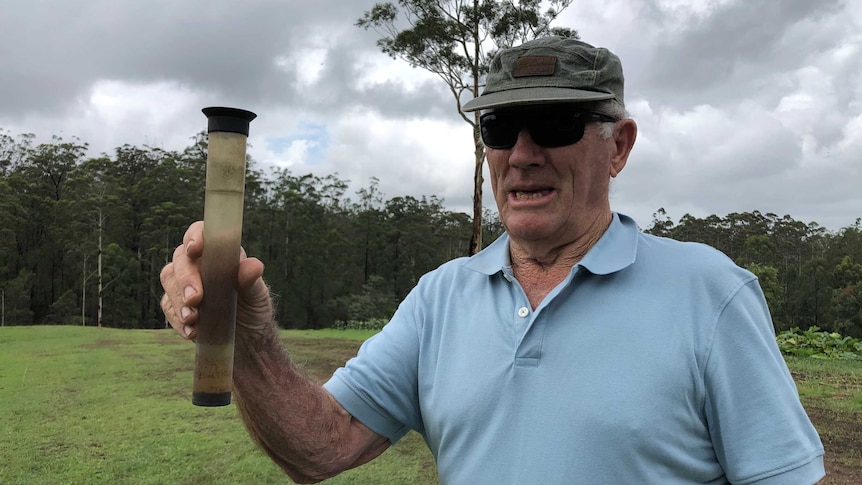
[254, 340]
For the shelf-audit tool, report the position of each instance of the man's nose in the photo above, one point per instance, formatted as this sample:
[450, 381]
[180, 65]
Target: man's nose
[526, 153]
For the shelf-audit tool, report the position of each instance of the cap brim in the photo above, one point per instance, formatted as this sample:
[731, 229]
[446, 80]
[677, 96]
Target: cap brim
[528, 96]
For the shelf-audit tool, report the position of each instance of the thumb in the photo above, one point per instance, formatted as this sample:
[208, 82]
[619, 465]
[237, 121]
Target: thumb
[255, 311]
[249, 278]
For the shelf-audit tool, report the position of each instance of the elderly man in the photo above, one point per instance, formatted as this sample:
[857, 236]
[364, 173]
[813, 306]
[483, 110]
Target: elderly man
[574, 349]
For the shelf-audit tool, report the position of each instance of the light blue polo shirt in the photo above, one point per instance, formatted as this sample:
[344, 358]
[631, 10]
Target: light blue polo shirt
[653, 362]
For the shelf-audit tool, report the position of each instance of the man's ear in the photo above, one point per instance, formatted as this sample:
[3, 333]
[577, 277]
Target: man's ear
[625, 134]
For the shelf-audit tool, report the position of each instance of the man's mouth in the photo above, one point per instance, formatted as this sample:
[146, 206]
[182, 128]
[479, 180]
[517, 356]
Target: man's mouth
[530, 195]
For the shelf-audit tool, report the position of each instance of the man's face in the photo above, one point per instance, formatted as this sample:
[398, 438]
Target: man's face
[553, 194]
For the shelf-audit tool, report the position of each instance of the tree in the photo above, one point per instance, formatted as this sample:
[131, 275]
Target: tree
[12, 151]
[368, 218]
[661, 225]
[43, 178]
[375, 301]
[410, 227]
[328, 259]
[305, 247]
[847, 297]
[11, 213]
[456, 39]
[768, 279]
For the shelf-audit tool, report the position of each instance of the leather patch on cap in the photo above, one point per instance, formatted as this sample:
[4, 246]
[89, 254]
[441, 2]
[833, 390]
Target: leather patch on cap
[535, 66]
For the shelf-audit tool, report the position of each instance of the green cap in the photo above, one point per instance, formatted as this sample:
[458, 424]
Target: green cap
[551, 70]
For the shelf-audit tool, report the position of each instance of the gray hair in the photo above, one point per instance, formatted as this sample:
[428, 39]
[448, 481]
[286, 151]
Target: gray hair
[610, 107]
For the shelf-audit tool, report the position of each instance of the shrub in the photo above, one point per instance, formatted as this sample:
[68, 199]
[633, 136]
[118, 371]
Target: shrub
[819, 344]
[375, 324]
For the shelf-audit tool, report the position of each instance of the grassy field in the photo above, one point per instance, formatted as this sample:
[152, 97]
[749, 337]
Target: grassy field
[831, 391]
[105, 406]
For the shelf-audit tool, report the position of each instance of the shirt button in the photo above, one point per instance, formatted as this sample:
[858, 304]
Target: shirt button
[523, 312]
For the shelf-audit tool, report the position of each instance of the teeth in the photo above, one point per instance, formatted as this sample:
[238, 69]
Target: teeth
[528, 195]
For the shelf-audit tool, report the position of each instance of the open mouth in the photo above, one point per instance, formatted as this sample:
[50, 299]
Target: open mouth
[530, 194]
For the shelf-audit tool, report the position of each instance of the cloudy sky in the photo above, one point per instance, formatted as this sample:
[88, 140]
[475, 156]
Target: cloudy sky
[742, 105]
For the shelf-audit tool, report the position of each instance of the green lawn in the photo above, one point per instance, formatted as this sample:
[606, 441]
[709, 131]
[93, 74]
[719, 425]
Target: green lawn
[106, 406]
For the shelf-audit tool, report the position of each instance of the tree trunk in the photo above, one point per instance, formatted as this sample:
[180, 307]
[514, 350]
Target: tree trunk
[99, 311]
[84, 295]
[476, 238]
[479, 148]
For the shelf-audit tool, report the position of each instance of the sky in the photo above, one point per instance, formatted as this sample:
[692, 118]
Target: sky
[741, 105]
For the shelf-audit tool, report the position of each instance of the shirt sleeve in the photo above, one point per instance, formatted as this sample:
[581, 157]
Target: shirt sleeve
[760, 431]
[379, 386]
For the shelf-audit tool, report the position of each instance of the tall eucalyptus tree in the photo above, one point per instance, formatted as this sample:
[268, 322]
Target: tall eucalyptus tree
[455, 40]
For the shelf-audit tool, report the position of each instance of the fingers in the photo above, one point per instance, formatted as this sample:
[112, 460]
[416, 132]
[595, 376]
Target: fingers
[175, 319]
[181, 280]
[182, 283]
[193, 239]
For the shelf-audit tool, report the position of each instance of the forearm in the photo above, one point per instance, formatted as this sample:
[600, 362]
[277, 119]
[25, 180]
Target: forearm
[294, 420]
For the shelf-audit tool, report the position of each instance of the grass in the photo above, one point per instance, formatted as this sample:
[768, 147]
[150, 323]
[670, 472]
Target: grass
[831, 391]
[107, 406]
[836, 384]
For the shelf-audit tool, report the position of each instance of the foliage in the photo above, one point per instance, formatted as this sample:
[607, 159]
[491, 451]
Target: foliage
[769, 283]
[847, 295]
[16, 296]
[372, 324]
[814, 342]
[63, 217]
[329, 258]
[375, 303]
[63, 310]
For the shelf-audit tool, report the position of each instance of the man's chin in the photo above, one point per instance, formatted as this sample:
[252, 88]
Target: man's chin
[529, 230]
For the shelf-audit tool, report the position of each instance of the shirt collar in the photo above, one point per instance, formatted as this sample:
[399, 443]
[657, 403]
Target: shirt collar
[615, 250]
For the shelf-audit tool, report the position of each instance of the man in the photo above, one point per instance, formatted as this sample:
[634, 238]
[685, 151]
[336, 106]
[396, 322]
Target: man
[574, 349]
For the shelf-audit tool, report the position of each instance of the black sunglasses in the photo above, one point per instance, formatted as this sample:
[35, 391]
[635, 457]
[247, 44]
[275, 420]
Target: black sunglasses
[548, 127]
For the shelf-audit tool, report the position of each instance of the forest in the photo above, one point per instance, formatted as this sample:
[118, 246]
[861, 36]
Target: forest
[83, 239]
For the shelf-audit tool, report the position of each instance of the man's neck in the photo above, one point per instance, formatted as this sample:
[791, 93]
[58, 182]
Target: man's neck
[545, 255]
[540, 266]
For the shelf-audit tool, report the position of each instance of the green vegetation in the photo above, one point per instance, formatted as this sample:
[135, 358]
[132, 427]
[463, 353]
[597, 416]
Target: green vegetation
[819, 344]
[83, 239]
[329, 259]
[104, 406]
[371, 325]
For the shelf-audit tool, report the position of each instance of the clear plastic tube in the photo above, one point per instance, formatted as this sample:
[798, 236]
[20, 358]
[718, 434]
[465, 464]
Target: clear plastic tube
[223, 211]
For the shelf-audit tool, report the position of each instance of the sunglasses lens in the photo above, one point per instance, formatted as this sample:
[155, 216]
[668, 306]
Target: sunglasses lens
[499, 130]
[548, 128]
[557, 128]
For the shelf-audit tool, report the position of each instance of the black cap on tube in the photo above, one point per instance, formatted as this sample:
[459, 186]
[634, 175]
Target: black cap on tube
[234, 120]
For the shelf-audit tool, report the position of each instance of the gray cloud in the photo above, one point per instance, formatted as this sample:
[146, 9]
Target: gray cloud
[743, 105]
[739, 50]
[54, 50]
